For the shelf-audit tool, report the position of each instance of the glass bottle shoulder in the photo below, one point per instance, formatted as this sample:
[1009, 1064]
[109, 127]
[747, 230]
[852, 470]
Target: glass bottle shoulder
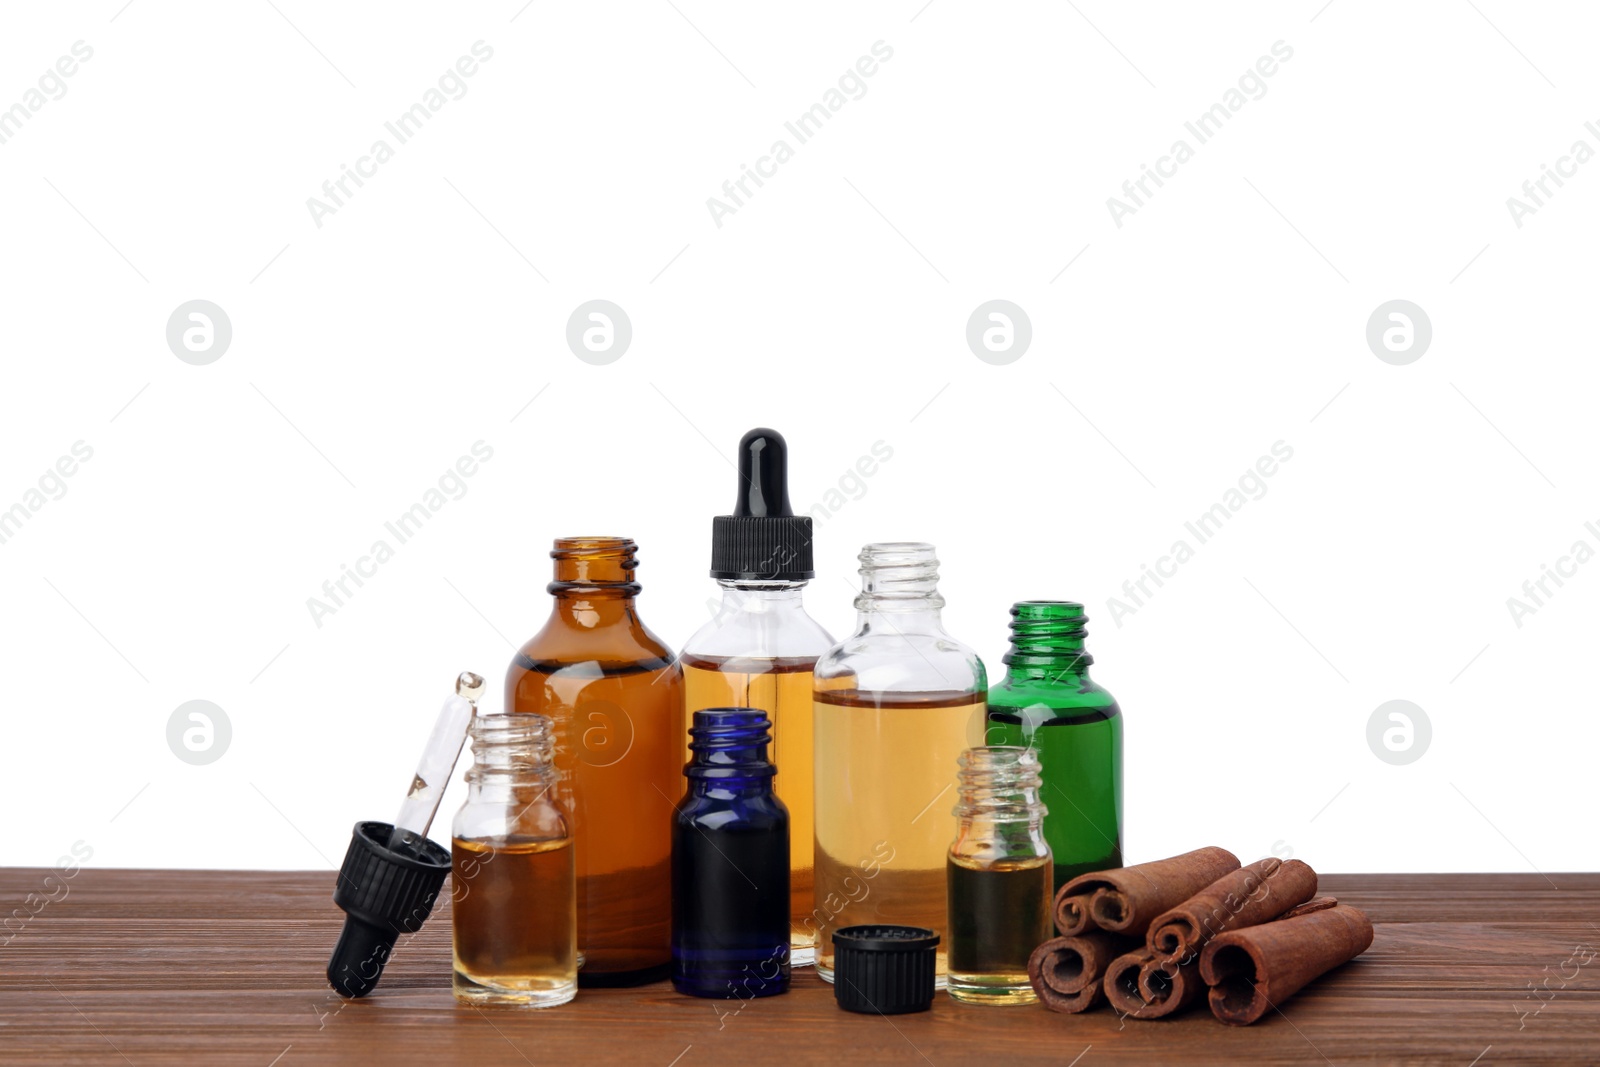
[756, 624]
[622, 644]
[1077, 697]
[526, 812]
[878, 658]
[728, 809]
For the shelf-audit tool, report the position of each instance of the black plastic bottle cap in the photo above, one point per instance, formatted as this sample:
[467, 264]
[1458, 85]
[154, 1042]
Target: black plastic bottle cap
[884, 970]
[384, 893]
[763, 540]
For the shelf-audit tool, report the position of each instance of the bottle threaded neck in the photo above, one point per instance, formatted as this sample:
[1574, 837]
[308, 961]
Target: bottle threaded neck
[899, 574]
[594, 566]
[730, 743]
[1048, 633]
[512, 744]
[1000, 783]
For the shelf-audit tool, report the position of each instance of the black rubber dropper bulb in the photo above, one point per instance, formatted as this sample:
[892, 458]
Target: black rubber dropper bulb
[763, 476]
[763, 540]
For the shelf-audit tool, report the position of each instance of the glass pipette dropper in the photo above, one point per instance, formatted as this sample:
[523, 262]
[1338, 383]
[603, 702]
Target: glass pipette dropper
[437, 764]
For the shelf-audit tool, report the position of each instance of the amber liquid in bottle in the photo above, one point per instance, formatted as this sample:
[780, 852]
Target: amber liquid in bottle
[510, 930]
[615, 696]
[998, 915]
[885, 790]
[782, 688]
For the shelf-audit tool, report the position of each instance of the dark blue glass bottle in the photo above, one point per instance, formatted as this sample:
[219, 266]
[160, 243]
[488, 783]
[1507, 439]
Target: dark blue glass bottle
[730, 863]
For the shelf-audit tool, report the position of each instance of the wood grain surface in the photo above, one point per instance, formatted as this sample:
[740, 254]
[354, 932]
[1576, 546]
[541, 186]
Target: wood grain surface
[226, 967]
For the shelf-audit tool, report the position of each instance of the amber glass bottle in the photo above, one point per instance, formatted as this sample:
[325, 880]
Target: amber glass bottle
[615, 695]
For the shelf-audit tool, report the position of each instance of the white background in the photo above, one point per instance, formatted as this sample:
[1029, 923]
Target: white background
[424, 315]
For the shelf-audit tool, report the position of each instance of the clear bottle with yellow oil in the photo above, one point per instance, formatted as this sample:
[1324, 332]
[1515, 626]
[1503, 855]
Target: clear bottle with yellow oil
[759, 648]
[1000, 876]
[513, 906]
[896, 704]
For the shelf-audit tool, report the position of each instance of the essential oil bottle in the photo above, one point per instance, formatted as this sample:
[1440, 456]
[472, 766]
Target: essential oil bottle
[730, 863]
[513, 911]
[999, 876]
[896, 704]
[759, 649]
[615, 695]
[1049, 703]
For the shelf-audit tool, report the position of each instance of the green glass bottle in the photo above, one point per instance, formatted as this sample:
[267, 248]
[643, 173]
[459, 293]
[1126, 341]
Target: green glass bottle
[1049, 703]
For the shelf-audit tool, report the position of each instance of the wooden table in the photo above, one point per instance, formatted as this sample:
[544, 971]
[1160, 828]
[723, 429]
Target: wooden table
[226, 967]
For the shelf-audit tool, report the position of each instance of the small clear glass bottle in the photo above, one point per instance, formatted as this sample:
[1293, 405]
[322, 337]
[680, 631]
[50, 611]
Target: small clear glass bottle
[999, 875]
[895, 705]
[759, 648]
[513, 908]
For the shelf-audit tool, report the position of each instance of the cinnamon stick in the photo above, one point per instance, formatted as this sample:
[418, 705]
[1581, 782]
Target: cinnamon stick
[1168, 987]
[1258, 968]
[1314, 904]
[1251, 895]
[1125, 900]
[1067, 972]
[1143, 985]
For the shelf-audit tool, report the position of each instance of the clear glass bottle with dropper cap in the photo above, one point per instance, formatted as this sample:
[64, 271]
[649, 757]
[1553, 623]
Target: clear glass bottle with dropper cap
[759, 649]
[896, 703]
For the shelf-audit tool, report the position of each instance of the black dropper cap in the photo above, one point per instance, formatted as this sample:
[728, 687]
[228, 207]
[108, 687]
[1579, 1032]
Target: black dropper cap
[385, 892]
[763, 540]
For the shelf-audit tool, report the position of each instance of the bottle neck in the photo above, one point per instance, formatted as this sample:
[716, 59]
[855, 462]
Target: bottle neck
[1047, 642]
[510, 753]
[728, 753]
[593, 582]
[899, 588]
[775, 597]
[999, 784]
[728, 788]
[999, 818]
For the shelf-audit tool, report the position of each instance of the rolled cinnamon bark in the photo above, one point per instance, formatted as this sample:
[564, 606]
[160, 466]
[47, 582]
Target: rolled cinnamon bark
[1144, 986]
[1067, 972]
[1169, 987]
[1072, 911]
[1251, 895]
[1314, 904]
[1260, 967]
[1126, 899]
[1122, 982]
